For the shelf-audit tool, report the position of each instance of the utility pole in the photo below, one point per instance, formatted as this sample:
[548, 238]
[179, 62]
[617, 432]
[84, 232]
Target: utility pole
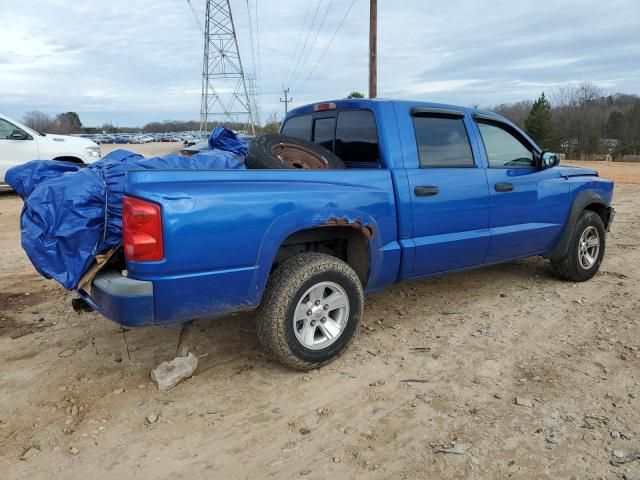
[225, 97]
[373, 48]
[286, 100]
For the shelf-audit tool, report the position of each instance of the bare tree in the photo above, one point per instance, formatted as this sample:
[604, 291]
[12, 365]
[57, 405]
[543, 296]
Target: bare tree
[516, 112]
[40, 122]
[578, 118]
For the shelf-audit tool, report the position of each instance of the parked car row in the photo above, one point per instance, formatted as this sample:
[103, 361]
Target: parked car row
[129, 138]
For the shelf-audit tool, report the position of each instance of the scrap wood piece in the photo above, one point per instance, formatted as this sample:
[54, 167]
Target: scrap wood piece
[457, 449]
[421, 349]
[632, 457]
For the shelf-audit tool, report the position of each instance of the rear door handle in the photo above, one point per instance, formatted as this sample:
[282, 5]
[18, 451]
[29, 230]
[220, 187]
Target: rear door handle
[504, 187]
[426, 191]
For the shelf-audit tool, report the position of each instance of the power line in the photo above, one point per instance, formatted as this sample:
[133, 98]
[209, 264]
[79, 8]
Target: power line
[252, 79]
[306, 40]
[195, 17]
[257, 13]
[251, 40]
[315, 39]
[327, 47]
[295, 51]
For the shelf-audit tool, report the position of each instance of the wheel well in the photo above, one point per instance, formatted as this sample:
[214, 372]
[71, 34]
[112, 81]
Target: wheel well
[69, 159]
[602, 210]
[348, 243]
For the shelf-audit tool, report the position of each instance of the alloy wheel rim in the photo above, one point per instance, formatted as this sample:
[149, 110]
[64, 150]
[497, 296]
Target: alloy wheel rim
[321, 315]
[589, 247]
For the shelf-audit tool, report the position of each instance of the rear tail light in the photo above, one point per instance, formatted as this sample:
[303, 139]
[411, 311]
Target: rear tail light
[141, 230]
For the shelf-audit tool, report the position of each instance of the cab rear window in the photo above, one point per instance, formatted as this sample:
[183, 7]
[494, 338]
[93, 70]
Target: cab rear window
[298, 127]
[351, 134]
[357, 137]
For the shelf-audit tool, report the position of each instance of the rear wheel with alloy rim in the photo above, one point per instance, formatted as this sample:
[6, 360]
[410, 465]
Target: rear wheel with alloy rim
[310, 310]
[321, 315]
[586, 250]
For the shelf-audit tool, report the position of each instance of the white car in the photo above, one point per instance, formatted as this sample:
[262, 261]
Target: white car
[20, 144]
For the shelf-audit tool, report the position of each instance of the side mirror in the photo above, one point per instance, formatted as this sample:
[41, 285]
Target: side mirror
[18, 135]
[549, 160]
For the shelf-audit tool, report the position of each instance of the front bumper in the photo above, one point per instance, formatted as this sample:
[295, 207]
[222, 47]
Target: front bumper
[124, 300]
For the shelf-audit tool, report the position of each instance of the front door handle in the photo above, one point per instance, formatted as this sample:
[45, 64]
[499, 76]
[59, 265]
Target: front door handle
[504, 187]
[426, 191]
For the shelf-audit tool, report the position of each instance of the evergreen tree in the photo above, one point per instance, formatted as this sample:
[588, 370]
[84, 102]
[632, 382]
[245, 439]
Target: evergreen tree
[538, 124]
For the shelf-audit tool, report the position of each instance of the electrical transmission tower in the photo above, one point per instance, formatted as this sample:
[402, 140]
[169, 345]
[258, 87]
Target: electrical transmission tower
[225, 97]
[252, 89]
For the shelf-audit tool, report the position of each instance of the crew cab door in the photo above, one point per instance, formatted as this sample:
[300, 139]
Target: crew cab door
[12, 151]
[529, 205]
[449, 192]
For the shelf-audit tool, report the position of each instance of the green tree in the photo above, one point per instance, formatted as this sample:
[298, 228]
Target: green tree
[355, 94]
[271, 127]
[68, 122]
[538, 124]
[615, 125]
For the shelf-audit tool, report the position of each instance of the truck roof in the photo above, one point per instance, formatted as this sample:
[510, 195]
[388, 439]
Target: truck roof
[369, 102]
[403, 105]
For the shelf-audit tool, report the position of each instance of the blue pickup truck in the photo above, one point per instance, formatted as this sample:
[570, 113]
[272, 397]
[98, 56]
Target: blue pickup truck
[427, 189]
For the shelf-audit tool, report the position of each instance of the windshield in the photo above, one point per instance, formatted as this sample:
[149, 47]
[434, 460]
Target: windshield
[20, 126]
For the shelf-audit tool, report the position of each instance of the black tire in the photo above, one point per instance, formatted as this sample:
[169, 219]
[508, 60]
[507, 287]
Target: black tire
[276, 151]
[286, 287]
[570, 267]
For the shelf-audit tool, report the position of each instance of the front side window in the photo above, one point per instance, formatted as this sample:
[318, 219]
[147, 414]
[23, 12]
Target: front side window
[503, 149]
[298, 127]
[324, 130]
[442, 142]
[357, 137]
[6, 129]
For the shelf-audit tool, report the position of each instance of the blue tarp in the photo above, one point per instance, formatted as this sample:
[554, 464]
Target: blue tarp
[72, 214]
[222, 138]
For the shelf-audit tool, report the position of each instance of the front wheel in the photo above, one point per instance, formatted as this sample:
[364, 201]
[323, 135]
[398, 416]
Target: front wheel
[310, 311]
[586, 250]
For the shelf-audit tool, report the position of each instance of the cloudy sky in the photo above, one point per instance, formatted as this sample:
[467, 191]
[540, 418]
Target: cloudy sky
[141, 60]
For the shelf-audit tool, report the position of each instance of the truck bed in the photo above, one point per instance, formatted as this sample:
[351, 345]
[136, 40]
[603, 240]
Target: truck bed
[222, 230]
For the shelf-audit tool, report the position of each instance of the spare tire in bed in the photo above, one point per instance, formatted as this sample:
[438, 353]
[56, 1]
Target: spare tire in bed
[274, 151]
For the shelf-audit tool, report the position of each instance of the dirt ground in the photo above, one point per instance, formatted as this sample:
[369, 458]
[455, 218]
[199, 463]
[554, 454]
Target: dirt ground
[146, 149]
[75, 390]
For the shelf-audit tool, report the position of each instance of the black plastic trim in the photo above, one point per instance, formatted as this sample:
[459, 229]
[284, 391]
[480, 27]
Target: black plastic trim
[491, 118]
[437, 111]
[582, 200]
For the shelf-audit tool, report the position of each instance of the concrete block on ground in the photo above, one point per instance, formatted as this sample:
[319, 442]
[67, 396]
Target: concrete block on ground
[168, 374]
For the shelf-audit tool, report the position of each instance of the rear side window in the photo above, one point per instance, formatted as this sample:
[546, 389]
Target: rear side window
[357, 137]
[442, 142]
[323, 131]
[298, 127]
